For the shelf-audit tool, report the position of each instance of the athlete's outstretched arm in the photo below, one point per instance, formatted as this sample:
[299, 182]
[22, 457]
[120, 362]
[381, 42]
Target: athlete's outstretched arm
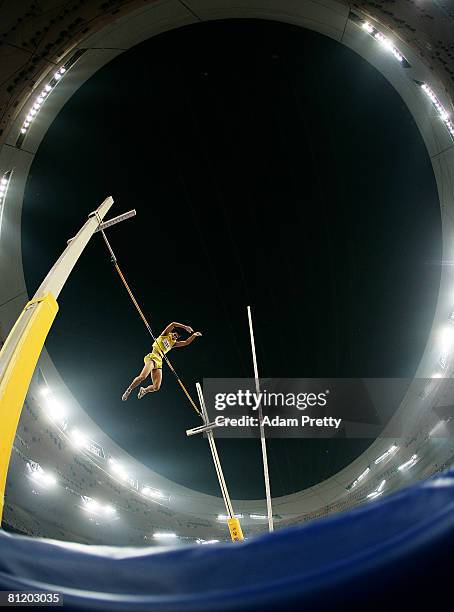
[170, 327]
[188, 341]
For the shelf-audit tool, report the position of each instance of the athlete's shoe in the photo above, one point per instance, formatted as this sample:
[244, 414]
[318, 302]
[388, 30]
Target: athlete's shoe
[141, 393]
[126, 394]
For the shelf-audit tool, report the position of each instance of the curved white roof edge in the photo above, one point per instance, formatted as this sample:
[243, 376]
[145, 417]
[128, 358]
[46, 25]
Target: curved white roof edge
[329, 18]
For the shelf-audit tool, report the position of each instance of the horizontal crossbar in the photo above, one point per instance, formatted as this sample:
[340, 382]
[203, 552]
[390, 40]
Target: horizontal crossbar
[110, 222]
[115, 220]
[201, 429]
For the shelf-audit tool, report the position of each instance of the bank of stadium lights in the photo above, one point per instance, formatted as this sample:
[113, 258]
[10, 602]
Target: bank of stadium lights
[391, 450]
[165, 535]
[408, 464]
[55, 411]
[378, 491]
[443, 114]
[39, 476]
[4, 184]
[387, 44]
[202, 541]
[358, 480]
[41, 98]
[383, 40]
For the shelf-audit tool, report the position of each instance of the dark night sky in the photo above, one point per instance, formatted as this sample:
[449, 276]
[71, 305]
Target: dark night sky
[269, 166]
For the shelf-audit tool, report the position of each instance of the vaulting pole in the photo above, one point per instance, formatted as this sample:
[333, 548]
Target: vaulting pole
[24, 343]
[234, 524]
[136, 303]
[262, 431]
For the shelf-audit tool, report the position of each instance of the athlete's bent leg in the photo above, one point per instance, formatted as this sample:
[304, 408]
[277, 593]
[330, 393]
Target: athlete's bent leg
[156, 377]
[146, 371]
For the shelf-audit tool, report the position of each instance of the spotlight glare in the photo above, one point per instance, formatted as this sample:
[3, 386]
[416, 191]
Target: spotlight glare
[41, 477]
[118, 469]
[55, 410]
[154, 493]
[157, 494]
[78, 439]
[49, 480]
[447, 337]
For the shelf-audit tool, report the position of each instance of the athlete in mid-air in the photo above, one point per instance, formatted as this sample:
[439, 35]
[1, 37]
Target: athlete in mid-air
[153, 361]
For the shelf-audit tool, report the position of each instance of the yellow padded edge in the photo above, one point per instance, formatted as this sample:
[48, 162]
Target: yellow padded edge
[15, 379]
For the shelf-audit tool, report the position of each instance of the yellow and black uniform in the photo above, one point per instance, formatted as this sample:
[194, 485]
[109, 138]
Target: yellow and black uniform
[162, 346]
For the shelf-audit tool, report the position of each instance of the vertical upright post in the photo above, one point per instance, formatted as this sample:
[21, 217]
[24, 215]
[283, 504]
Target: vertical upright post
[234, 524]
[22, 348]
[266, 475]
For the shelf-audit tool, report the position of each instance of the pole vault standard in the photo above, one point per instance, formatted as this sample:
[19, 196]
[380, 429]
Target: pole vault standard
[24, 343]
[266, 475]
[236, 532]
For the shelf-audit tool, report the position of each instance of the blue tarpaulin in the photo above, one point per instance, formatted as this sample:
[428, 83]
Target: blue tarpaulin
[392, 547]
